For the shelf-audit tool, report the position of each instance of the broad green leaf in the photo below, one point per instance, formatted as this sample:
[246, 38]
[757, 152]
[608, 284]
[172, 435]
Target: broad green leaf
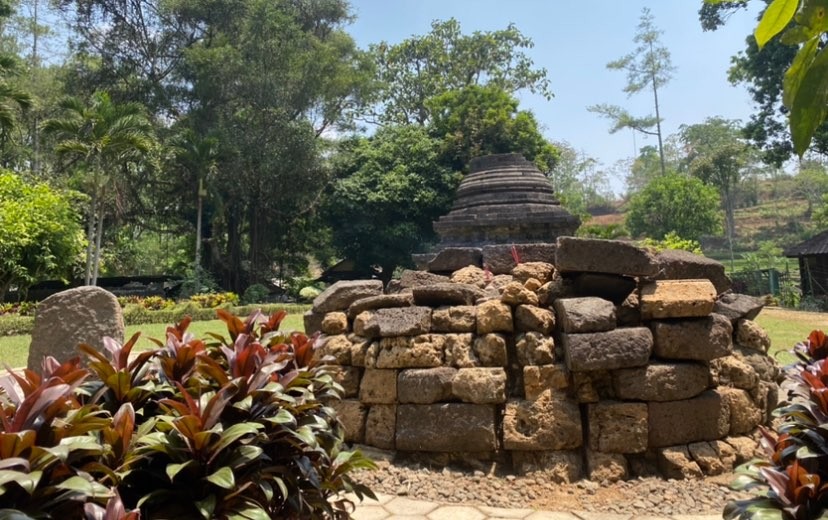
[207, 506]
[175, 469]
[797, 70]
[232, 434]
[244, 454]
[13, 514]
[250, 512]
[810, 105]
[776, 17]
[87, 487]
[797, 34]
[223, 478]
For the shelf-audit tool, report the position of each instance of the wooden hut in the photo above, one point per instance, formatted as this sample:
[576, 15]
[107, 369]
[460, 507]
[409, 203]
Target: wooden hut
[813, 264]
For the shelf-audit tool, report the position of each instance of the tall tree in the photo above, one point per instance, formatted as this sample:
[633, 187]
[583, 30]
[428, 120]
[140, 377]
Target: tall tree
[580, 181]
[717, 154]
[648, 67]
[421, 67]
[101, 139]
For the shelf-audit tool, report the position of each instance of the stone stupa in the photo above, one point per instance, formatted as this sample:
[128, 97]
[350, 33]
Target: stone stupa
[504, 208]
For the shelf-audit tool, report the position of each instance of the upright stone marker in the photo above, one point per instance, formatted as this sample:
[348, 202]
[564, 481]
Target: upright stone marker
[68, 318]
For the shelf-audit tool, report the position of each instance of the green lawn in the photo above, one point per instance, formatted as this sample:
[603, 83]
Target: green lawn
[786, 328]
[14, 350]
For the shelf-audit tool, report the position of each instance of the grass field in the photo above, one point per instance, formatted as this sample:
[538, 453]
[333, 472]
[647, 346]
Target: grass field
[14, 350]
[786, 328]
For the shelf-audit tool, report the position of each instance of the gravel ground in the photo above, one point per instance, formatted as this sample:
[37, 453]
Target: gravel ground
[639, 496]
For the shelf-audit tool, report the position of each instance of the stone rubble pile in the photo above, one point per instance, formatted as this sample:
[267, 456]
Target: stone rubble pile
[606, 362]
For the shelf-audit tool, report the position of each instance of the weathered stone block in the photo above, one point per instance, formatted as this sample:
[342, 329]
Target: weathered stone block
[69, 318]
[498, 258]
[533, 348]
[529, 318]
[352, 414]
[494, 316]
[702, 418]
[675, 462]
[335, 323]
[451, 259]
[616, 427]
[545, 423]
[585, 314]
[312, 322]
[514, 293]
[674, 264]
[538, 379]
[628, 314]
[661, 381]
[425, 385]
[591, 386]
[731, 371]
[380, 426]
[533, 284]
[490, 350]
[393, 322]
[677, 299]
[340, 295]
[433, 427]
[619, 348]
[423, 351]
[382, 301]
[561, 467]
[603, 256]
[378, 386]
[699, 339]
[766, 367]
[459, 352]
[439, 294]
[410, 279]
[609, 467]
[348, 378]
[480, 385]
[750, 335]
[735, 306]
[458, 318]
[359, 349]
[708, 457]
[745, 416]
[540, 271]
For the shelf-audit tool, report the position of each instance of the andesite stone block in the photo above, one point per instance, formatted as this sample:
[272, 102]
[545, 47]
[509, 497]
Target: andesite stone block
[701, 339]
[619, 348]
[618, 427]
[340, 295]
[675, 264]
[702, 418]
[380, 426]
[661, 381]
[480, 385]
[603, 256]
[378, 386]
[433, 427]
[380, 302]
[586, 314]
[425, 385]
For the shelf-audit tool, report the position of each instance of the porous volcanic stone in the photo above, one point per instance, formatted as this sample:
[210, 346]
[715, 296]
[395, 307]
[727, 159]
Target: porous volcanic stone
[732, 371]
[606, 467]
[677, 299]
[378, 386]
[490, 350]
[446, 294]
[749, 334]
[380, 426]
[458, 318]
[702, 418]
[676, 462]
[616, 427]
[451, 259]
[675, 264]
[587, 314]
[514, 293]
[737, 306]
[529, 318]
[423, 351]
[471, 274]
[352, 414]
[699, 339]
[480, 385]
[459, 352]
[434, 427]
[540, 271]
[494, 316]
[545, 423]
[340, 295]
[661, 381]
[348, 378]
[66, 319]
[745, 416]
[380, 302]
[335, 323]
[709, 458]
[399, 321]
[425, 385]
[603, 256]
[337, 347]
[312, 322]
[539, 379]
[534, 348]
[619, 348]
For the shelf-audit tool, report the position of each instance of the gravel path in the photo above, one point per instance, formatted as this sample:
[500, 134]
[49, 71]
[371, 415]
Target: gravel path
[641, 496]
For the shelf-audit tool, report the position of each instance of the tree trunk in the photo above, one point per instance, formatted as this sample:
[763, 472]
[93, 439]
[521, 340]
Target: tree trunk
[98, 237]
[197, 266]
[90, 239]
[658, 119]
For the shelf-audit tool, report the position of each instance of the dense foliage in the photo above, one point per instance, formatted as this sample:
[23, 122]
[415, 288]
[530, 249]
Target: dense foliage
[233, 427]
[793, 478]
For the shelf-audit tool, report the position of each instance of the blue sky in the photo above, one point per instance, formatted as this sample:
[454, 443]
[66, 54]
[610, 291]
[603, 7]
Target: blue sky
[574, 40]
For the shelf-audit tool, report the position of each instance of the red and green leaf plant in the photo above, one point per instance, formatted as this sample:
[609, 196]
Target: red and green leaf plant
[792, 482]
[119, 379]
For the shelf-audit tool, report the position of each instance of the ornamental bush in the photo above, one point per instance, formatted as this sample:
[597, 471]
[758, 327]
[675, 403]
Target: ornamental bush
[231, 427]
[792, 482]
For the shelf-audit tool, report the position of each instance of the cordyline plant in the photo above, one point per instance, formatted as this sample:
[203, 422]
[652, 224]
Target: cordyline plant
[792, 483]
[231, 428]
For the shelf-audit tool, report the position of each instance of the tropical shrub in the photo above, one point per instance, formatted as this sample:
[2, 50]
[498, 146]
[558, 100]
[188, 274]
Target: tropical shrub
[792, 482]
[213, 300]
[233, 427]
[256, 293]
[25, 308]
[673, 241]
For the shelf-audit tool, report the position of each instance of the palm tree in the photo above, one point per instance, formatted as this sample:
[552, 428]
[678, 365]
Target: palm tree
[13, 100]
[102, 138]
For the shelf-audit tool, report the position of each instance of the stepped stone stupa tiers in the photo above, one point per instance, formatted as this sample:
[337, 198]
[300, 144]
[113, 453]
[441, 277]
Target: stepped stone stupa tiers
[504, 201]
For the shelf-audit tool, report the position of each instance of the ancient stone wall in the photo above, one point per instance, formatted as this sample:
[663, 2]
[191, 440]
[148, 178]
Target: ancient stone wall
[606, 362]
